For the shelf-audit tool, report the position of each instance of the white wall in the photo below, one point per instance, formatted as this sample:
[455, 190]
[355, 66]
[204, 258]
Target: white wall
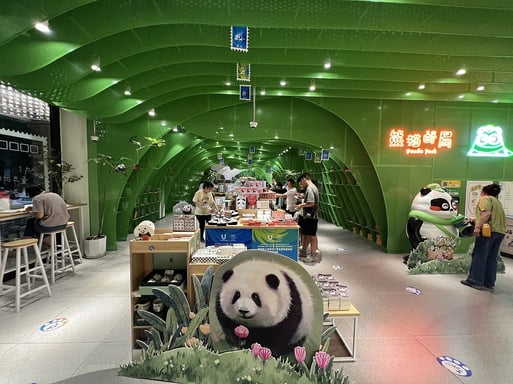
[74, 150]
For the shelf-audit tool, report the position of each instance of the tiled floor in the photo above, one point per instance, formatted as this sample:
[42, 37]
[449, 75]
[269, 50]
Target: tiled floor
[399, 337]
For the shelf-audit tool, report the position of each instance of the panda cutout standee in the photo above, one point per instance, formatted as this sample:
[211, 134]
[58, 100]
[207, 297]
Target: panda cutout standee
[271, 300]
[434, 214]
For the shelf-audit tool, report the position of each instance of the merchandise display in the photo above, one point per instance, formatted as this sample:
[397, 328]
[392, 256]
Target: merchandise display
[335, 296]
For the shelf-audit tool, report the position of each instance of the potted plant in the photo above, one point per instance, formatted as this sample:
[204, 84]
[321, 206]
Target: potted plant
[96, 245]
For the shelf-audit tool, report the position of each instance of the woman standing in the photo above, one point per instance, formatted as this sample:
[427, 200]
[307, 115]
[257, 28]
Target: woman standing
[483, 270]
[205, 204]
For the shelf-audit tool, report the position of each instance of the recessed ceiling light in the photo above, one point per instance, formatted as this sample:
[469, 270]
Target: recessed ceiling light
[283, 82]
[262, 92]
[312, 86]
[408, 93]
[480, 88]
[461, 96]
[461, 71]
[327, 64]
[128, 91]
[95, 64]
[422, 86]
[151, 112]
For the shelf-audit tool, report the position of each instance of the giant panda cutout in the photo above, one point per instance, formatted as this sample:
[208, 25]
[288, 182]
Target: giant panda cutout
[271, 295]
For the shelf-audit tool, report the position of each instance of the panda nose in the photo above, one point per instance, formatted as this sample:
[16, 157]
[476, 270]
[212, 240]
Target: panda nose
[243, 312]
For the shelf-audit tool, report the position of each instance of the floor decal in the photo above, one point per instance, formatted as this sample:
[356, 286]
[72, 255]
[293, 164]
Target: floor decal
[455, 366]
[53, 324]
[414, 290]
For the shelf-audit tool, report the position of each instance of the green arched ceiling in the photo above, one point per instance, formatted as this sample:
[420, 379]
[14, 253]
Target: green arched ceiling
[175, 57]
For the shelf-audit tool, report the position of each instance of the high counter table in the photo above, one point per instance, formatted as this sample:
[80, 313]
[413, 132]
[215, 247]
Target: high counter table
[73, 208]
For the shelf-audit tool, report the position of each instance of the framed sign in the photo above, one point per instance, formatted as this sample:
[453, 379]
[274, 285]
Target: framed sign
[239, 38]
[308, 155]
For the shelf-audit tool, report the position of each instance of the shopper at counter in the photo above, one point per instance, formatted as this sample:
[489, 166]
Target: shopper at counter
[49, 211]
[489, 210]
[291, 197]
[308, 216]
[205, 204]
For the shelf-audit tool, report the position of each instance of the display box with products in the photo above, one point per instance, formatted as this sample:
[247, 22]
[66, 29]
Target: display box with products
[335, 296]
[184, 223]
[159, 278]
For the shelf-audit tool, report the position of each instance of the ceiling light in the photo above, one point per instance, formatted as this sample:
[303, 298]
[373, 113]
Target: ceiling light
[128, 91]
[461, 97]
[312, 86]
[151, 112]
[283, 82]
[408, 93]
[262, 92]
[461, 71]
[95, 64]
[227, 82]
[422, 86]
[42, 26]
[480, 88]
[327, 63]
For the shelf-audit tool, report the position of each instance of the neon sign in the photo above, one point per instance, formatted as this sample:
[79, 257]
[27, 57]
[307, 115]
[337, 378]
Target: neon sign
[489, 143]
[429, 142]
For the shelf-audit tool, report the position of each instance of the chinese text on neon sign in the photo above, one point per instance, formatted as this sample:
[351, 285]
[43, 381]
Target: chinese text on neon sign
[429, 142]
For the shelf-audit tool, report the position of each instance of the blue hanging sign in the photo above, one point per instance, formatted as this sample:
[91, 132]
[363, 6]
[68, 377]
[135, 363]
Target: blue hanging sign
[325, 154]
[239, 38]
[245, 92]
[308, 155]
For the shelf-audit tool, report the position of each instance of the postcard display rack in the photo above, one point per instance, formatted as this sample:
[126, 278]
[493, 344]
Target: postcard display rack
[165, 241]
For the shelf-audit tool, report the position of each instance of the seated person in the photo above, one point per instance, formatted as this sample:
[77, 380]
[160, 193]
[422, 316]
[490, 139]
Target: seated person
[49, 211]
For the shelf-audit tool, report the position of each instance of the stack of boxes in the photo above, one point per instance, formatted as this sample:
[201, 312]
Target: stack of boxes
[335, 296]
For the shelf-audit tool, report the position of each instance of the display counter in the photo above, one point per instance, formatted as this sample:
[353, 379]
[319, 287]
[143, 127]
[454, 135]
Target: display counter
[282, 238]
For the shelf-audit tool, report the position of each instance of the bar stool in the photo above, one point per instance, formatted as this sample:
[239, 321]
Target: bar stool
[74, 243]
[36, 272]
[59, 256]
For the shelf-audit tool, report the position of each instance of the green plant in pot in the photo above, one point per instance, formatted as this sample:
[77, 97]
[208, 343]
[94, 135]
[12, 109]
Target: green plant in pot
[96, 245]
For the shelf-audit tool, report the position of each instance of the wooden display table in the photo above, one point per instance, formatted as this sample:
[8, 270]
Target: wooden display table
[351, 313]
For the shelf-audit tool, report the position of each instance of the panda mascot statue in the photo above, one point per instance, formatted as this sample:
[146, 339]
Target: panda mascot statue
[434, 214]
[272, 301]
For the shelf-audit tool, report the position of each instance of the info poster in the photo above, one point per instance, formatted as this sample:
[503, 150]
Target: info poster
[506, 197]
[279, 240]
[472, 197]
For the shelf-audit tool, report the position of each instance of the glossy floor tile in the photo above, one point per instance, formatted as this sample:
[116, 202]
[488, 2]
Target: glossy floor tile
[400, 335]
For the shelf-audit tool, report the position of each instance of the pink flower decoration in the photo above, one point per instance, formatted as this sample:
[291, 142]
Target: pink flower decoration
[300, 354]
[265, 353]
[241, 332]
[255, 349]
[322, 359]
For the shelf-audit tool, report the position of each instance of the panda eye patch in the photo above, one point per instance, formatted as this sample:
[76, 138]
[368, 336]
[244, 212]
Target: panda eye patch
[256, 298]
[236, 297]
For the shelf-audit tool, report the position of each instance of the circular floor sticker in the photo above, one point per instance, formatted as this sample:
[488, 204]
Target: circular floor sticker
[53, 324]
[414, 290]
[455, 366]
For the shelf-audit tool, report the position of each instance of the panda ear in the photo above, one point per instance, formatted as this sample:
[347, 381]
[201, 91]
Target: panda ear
[227, 275]
[425, 191]
[272, 281]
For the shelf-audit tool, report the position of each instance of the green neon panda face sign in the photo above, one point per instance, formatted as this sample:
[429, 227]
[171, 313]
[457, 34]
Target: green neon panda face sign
[489, 143]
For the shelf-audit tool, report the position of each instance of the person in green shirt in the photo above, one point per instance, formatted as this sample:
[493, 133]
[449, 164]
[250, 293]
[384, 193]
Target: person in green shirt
[483, 269]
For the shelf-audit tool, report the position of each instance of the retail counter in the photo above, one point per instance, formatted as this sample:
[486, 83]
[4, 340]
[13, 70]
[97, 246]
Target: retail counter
[279, 238]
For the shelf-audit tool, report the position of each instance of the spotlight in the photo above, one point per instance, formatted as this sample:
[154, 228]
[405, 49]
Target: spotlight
[95, 65]
[42, 26]
[128, 91]
[151, 112]
[312, 86]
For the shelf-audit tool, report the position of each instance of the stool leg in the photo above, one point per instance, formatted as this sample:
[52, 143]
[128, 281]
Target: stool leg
[27, 268]
[75, 239]
[2, 270]
[39, 263]
[53, 256]
[18, 279]
[67, 251]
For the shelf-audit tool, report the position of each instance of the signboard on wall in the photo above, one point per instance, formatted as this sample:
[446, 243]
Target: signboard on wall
[506, 196]
[472, 196]
[428, 142]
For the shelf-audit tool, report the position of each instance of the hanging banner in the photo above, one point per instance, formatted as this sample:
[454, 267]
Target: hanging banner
[239, 38]
[243, 72]
[245, 92]
[325, 155]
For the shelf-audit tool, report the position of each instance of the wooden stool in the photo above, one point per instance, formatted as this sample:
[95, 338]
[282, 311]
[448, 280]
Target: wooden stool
[59, 256]
[36, 272]
[76, 244]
